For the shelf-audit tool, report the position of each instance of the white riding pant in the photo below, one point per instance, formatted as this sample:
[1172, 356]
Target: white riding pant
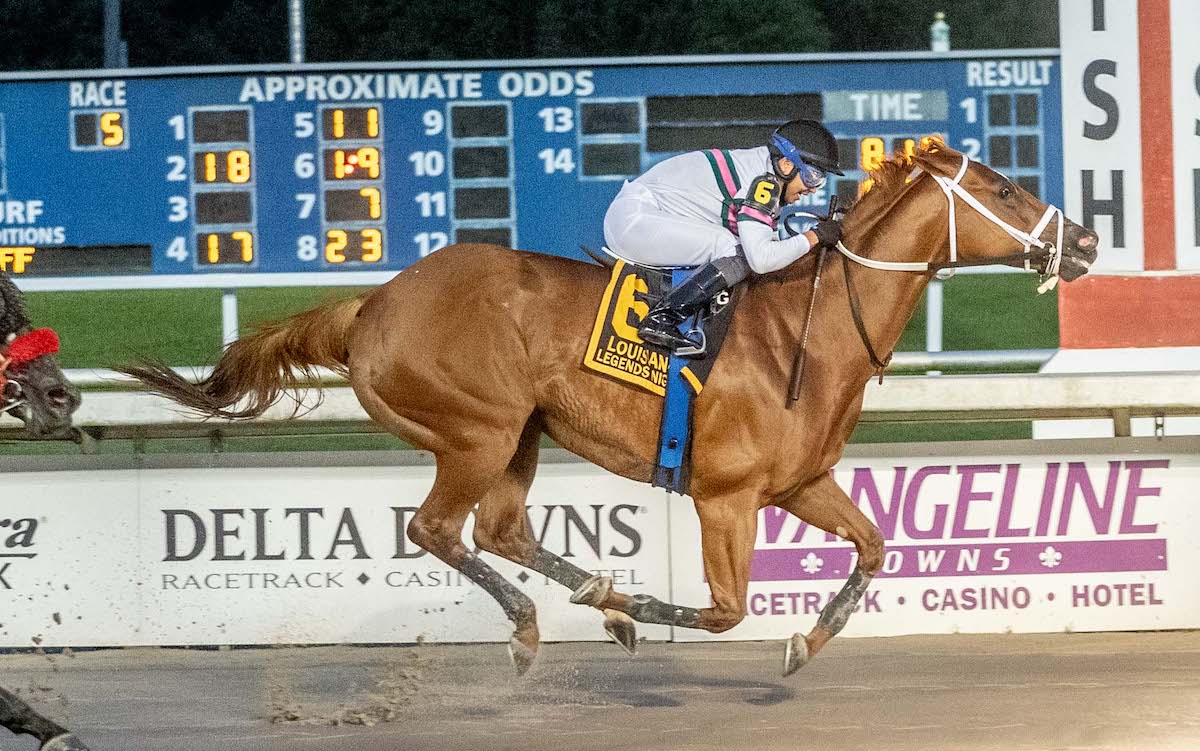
[636, 229]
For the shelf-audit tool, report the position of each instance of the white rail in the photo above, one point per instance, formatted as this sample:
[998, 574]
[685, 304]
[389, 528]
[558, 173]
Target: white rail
[1119, 397]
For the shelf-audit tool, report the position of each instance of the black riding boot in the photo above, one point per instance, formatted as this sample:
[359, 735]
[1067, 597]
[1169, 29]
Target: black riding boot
[661, 325]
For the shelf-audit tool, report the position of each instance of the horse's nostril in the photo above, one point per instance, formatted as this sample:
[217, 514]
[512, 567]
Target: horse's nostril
[59, 396]
[1087, 242]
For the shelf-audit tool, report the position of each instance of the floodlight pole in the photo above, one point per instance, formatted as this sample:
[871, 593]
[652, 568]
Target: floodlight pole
[116, 51]
[296, 29]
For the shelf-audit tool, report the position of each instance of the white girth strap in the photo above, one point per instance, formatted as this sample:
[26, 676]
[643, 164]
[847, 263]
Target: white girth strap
[951, 187]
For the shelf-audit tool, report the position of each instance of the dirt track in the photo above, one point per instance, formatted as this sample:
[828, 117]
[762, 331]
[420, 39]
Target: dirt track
[1066, 691]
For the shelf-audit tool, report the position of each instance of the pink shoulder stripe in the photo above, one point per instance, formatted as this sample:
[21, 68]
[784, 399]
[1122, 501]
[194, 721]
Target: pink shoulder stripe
[725, 170]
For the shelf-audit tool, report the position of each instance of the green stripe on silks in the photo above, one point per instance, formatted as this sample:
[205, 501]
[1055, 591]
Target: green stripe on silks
[730, 205]
[737, 184]
[712, 163]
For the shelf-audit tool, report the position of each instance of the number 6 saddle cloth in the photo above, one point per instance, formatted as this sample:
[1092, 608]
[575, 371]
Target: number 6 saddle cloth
[616, 351]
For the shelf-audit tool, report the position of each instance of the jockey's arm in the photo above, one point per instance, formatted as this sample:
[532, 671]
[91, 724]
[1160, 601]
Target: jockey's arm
[763, 252]
[756, 220]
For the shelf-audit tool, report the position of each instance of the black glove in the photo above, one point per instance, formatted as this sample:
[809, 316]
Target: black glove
[828, 232]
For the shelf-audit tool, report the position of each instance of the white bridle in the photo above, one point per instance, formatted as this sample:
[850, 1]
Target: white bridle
[952, 187]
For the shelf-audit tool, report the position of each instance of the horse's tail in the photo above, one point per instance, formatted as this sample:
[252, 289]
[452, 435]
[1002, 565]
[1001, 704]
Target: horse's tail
[257, 370]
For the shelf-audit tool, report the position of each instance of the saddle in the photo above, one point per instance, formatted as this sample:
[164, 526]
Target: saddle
[616, 351]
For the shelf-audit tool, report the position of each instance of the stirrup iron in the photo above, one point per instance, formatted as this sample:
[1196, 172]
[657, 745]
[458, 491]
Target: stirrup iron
[695, 350]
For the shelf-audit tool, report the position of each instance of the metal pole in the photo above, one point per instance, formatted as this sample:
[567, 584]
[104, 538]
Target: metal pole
[933, 319]
[229, 317]
[112, 34]
[296, 29]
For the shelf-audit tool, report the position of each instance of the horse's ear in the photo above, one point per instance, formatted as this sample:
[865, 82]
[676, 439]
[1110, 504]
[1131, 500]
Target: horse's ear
[933, 155]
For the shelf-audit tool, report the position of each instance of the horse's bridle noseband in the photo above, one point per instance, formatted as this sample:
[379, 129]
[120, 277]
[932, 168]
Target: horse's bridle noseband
[1047, 256]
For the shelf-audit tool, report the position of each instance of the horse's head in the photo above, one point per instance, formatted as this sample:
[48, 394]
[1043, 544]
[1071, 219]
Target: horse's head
[996, 220]
[32, 386]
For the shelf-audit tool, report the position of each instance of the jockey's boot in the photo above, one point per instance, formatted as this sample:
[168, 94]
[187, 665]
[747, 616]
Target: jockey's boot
[661, 325]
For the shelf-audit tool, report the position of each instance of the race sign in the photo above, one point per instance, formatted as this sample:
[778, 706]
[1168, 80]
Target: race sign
[253, 176]
[1131, 116]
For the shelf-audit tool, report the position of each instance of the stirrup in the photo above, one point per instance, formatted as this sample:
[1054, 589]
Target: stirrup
[692, 344]
[694, 349]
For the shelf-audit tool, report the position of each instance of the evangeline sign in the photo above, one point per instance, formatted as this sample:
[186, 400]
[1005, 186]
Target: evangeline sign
[1046, 542]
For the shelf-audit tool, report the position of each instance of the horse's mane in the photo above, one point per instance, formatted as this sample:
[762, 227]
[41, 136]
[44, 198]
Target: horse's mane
[888, 180]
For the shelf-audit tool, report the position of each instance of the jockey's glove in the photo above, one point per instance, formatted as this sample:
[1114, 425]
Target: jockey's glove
[828, 232]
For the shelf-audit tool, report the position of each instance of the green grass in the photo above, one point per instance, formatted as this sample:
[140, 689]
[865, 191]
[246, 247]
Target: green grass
[941, 431]
[99, 329]
[989, 311]
[183, 327]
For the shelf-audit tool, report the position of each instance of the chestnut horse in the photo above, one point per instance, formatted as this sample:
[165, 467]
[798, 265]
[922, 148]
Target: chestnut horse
[34, 389]
[474, 352]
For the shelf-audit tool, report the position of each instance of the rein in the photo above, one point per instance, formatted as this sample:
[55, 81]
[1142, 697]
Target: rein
[21, 350]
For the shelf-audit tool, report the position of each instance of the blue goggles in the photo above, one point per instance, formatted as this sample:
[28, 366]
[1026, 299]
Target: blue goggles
[811, 177]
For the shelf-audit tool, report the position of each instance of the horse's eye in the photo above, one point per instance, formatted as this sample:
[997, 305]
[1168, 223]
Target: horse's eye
[1005, 191]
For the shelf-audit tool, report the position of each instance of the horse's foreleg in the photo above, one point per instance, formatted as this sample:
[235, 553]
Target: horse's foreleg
[728, 526]
[825, 505]
[437, 527]
[20, 718]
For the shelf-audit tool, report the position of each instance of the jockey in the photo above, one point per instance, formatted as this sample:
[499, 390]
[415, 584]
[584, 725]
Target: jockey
[719, 208]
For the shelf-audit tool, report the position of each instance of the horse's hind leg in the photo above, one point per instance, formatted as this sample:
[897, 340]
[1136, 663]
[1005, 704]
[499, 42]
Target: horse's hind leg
[825, 505]
[437, 527]
[502, 528]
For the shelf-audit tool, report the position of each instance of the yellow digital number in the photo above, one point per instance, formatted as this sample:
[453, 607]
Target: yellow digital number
[339, 124]
[368, 159]
[763, 193]
[372, 244]
[238, 164]
[337, 243]
[212, 244]
[247, 241]
[871, 153]
[210, 167]
[374, 205]
[110, 125]
[372, 123]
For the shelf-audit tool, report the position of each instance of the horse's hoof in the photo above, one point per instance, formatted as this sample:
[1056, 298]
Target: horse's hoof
[621, 629]
[593, 592]
[65, 742]
[795, 654]
[522, 654]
